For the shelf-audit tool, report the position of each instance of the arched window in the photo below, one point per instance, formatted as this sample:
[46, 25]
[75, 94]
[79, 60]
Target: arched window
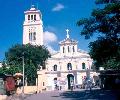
[63, 50]
[34, 36]
[34, 17]
[31, 17]
[83, 65]
[68, 49]
[43, 83]
[55, 67]
[28, 17]
[69, 66]
[30, 36]
[73, 49]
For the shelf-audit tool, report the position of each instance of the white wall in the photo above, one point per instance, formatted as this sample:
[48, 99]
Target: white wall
[0, 64]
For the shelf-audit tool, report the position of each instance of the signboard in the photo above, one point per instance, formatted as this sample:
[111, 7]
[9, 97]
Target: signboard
[62, 82]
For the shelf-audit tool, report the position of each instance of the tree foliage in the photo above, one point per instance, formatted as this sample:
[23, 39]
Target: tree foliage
[104, 21]
[33, 57]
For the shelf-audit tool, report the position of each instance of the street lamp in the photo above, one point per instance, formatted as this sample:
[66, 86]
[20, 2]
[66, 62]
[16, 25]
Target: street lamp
[88, 69]
[23, 72]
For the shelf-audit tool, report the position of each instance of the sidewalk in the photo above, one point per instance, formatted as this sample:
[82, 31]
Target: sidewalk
[3, 97]
[17, 97]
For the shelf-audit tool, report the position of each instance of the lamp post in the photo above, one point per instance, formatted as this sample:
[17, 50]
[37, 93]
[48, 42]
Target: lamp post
[23, 72]
[88, 69]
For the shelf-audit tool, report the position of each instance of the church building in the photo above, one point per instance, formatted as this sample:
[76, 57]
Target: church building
[69, 65]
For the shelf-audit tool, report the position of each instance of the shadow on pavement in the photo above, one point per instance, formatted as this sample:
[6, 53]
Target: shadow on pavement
[97, 94]
[18, 97]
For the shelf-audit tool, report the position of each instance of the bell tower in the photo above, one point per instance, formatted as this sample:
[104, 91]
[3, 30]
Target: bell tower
[33, 27]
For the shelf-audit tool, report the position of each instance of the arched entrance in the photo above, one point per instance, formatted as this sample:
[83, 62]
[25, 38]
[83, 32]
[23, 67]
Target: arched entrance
[55, 84]
[70, 78]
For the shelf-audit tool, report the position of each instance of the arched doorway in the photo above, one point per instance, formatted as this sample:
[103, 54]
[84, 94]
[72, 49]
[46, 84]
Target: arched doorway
[70, 78]
[55, 84]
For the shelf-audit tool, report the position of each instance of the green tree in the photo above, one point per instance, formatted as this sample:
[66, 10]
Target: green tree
[105, 22]
[30, 72]
[33, 57]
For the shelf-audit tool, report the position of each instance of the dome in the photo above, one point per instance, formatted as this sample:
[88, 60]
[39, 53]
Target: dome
[32, 7]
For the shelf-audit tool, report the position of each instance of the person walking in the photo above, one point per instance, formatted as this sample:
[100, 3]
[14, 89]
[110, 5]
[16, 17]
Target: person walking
[72, 84]
[89, 85]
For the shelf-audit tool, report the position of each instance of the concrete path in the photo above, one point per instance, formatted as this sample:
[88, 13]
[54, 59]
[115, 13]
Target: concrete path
[95, 94]
[51, 95]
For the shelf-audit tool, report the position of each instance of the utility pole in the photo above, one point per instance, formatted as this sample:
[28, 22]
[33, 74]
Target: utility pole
[23, 72]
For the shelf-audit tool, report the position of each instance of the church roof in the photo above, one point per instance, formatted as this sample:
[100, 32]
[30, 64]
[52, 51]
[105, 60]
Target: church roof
[32, 10]
[68, 41]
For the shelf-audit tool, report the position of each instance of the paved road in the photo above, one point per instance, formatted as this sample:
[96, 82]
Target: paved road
[96, 94]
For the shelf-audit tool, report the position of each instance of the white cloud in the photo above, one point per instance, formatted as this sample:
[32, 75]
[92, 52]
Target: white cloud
[50, 49]
[50, 28]
[49, 38]
[58, 7]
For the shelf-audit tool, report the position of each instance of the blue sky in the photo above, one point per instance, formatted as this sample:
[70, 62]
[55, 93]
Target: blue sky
[58, 15]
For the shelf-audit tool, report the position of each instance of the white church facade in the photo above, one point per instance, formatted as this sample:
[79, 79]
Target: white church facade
[69, 64]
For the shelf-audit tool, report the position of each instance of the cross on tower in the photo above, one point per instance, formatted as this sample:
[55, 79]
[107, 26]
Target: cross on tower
[67, 33]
